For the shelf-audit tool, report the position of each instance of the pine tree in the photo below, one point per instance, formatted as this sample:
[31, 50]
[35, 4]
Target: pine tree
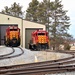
[59, 24]
[6, 10]
[14, 10]
[44, 13]
[54, 17]
[32, 11]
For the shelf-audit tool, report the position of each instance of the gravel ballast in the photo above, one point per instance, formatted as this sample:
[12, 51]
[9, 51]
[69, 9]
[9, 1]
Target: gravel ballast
[28, 56]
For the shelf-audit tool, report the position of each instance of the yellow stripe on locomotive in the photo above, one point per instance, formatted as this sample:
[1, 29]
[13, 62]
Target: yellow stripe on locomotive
[42, 39]
[13, 34]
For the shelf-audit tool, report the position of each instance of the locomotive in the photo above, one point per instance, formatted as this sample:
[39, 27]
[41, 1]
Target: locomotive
[12, 36]
[39, 40]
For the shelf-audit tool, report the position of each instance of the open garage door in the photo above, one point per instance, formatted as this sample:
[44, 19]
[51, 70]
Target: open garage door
[2, 33]
[28, 32]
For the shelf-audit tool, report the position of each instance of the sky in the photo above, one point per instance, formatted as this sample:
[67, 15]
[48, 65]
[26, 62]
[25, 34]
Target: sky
[68, 5]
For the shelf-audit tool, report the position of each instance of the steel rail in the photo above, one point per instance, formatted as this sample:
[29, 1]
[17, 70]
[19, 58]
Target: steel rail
[7, 57]
[44, 65]
[63, 51]
[37, 70]
[8, 53]
[68, 61]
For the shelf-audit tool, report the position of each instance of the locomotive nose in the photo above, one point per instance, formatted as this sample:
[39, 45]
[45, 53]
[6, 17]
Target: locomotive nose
[42, 39]
[12, 37]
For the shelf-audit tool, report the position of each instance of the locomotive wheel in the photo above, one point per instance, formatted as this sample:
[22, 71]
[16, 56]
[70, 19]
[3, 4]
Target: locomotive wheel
[34, 47]
[18, 42]
[47, 46]
[30, 46]
[38, 47]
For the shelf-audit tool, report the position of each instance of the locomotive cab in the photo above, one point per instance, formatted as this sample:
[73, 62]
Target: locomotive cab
[12, 37]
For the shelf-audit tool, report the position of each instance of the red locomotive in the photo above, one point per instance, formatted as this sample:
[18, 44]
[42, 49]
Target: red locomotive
[12, 37]
[40, 40]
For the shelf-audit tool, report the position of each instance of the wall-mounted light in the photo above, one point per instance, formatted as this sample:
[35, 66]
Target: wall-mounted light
[8, 18]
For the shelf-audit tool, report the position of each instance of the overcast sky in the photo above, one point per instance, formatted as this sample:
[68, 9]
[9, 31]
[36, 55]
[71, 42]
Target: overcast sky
[68, 5]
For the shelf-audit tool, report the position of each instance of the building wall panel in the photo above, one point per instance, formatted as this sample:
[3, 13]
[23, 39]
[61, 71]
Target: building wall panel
[30, 25]
[22, 24]
[10, 20]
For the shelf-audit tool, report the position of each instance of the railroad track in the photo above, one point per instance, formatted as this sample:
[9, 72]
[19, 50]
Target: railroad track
[41, 68]
[10, 55]
[53, 62]
[34, 70]
[72, 52]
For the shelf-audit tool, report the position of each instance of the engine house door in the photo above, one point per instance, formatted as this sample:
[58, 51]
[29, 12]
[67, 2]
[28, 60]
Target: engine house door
[28, 32]
[2, 33]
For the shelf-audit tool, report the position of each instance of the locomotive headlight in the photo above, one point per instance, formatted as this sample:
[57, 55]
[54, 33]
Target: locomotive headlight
[11, 27]
[15, 27]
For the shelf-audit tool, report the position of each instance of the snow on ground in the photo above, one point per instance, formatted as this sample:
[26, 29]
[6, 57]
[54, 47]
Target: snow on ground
[28, 56]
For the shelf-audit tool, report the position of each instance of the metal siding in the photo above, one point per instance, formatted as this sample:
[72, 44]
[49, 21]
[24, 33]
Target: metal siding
[28, 32]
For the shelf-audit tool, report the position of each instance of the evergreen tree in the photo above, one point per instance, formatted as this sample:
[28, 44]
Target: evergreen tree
[6, 10]
[44, 13]
[54, 17]
[56, 20]
[14, 10]
[59, 24]
[32, 11]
